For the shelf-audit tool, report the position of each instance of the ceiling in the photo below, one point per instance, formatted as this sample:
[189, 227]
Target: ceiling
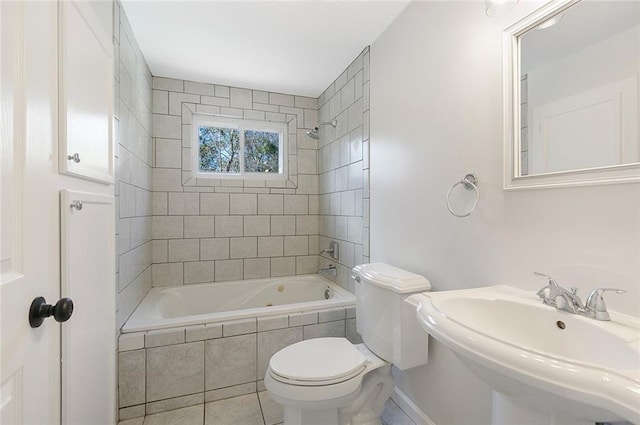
[295, 47]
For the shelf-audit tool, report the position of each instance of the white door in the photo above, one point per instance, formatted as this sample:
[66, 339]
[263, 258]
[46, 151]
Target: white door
[29, 369]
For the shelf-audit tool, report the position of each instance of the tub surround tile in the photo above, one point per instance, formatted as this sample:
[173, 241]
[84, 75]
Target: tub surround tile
[351, 312]
[245, 204]
[199, 272]
[239, 327]
[351, 332]
[331, 315]
[131, 341]
[174, 403]
[270, 323]
[203, 332]
[283, 266]
[272, 412]
[300, 319]
[228, 270]
[328, 329]
[256, 268]
[271, 342]
[167, 274]
[270, 204]
[199, 226]
[270, 246]
[214, 204]
[214, 249]
[307, 264]
[243, 247]
[243, 410]
[192, 415]
[131, 412]
[135, 421]
[165, 380]
[184, 250]
[230, 361]
[131, 376]
[227, 226]
[229, 392]
[164, 337]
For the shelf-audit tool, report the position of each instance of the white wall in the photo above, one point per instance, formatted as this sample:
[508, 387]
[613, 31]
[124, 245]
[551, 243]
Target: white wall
[436, 114]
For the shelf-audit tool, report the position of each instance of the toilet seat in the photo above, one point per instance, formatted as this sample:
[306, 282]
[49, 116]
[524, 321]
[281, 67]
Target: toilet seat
[317, 362]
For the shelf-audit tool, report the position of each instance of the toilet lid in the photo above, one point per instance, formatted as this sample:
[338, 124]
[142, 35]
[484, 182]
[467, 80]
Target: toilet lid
[318, 360]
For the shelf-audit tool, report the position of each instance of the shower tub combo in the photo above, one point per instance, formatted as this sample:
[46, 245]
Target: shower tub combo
[186, 345]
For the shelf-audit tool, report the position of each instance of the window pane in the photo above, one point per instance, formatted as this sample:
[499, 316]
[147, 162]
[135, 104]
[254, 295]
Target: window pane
[261, 151]
[219, 149]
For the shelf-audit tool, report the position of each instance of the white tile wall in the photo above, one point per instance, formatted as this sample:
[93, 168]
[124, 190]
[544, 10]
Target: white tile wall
[134, 160]
[230, 229]
[343, 163]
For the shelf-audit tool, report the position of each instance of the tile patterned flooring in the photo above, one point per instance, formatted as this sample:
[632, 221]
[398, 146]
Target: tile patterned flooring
[250, 409]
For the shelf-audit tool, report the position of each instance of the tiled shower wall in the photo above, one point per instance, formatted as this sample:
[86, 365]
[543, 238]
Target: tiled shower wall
[207, 230]
[343, 168]
[133, 151]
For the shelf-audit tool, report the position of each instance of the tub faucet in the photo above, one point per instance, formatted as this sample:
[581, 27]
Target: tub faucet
[329, 271]
[569, 301]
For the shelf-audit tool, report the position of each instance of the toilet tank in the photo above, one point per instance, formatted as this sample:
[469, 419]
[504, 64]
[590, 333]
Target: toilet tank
[388, 325]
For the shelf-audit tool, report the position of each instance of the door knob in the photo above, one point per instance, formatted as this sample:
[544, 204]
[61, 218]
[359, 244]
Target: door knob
[40, 310]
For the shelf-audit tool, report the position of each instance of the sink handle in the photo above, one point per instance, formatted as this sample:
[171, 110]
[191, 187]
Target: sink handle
[595, 304]
[552, 281]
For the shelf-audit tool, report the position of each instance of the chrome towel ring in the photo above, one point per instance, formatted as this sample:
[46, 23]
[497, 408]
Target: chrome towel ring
[469, 182]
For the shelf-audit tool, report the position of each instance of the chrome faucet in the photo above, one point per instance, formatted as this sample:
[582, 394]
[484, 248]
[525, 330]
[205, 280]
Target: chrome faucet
[329, 271]
[333, 250]
[595, 307]
[569, 301]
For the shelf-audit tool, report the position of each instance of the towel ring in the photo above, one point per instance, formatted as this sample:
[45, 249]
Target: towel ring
[470, 182]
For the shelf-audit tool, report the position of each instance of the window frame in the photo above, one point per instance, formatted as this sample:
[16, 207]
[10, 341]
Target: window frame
[241, 125]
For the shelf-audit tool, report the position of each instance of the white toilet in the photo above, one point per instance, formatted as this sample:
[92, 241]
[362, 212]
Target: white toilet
[329, 381]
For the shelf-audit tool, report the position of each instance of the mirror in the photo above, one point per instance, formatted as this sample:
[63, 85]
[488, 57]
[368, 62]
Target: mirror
[571, 95]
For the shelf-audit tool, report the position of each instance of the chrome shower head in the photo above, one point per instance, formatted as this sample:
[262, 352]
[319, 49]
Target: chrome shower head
[314, 133]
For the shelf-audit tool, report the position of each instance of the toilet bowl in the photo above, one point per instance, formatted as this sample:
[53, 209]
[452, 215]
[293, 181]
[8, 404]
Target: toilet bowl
[321, 380]
[330, 381]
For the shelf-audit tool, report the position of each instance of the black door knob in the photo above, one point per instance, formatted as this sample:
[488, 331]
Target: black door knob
[40, 310]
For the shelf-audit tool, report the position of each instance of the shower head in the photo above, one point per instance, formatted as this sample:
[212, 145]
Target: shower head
[314, 133]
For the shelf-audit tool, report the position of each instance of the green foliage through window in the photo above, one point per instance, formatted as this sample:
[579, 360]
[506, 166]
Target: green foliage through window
[219, 149]
[261, 151]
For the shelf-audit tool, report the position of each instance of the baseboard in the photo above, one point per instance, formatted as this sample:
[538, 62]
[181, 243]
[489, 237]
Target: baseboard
[409, 407]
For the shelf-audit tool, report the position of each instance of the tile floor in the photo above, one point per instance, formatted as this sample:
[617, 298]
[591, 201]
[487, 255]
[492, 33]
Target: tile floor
[250, 409]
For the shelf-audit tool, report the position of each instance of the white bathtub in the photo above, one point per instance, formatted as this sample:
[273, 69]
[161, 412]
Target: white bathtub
[190, 305]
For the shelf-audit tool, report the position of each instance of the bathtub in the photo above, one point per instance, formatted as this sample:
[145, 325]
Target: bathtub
[187, 305]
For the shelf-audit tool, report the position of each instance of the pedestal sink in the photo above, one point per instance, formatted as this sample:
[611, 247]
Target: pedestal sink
[561, 367]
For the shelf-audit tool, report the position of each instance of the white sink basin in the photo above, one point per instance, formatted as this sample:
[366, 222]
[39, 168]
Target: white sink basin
[538, 356]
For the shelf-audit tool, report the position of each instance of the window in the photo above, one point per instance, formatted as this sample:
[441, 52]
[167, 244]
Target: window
[227, 147]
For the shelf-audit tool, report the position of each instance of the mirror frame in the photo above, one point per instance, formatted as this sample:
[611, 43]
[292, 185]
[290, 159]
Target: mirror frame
[624, 173]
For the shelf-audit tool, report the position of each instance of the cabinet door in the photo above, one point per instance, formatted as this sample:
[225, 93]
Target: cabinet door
[86, 93]
[88, 341]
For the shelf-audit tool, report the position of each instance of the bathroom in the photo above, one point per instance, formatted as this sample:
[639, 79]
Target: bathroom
[424, 93]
